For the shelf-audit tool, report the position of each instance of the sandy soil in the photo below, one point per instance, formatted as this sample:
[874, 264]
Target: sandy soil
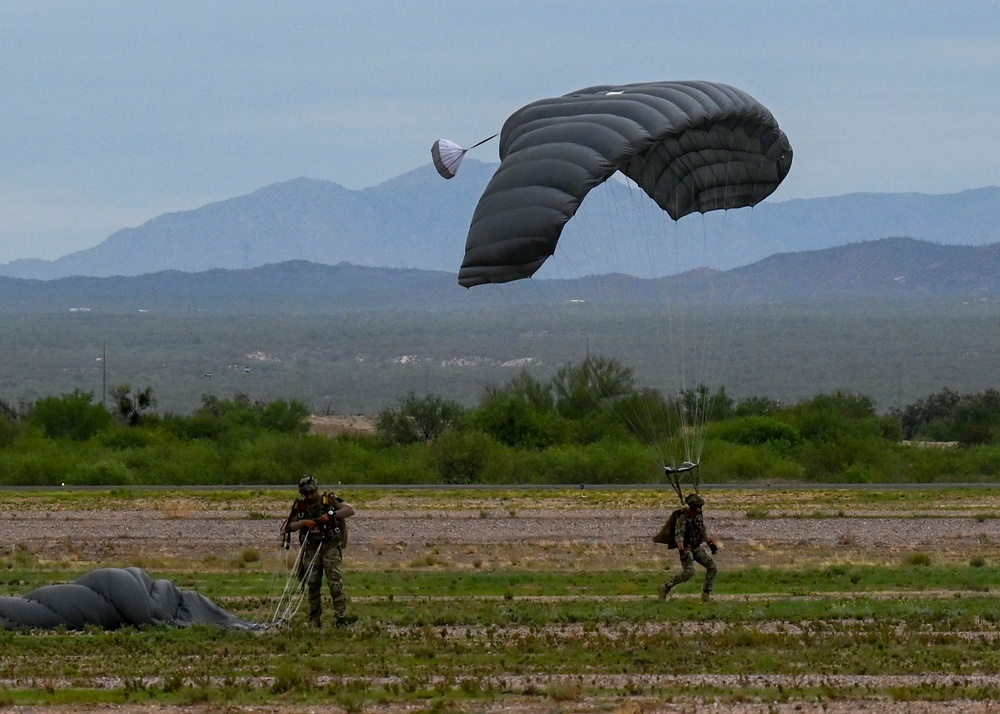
[380, 538]
[333, 425]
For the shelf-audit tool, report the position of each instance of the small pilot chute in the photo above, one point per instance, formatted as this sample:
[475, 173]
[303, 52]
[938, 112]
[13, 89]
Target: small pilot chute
[448, 155]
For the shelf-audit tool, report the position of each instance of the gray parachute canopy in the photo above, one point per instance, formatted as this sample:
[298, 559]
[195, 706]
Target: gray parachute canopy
[111, 598]
[691, 146]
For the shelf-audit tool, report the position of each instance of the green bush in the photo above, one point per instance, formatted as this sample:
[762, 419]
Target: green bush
[106, 472]
[72, 416]
[759, 431]
[168, 462]
[735, 462]
[9, 430]
[463, 456]
[43, 468]
[515, 422]
[417, 419]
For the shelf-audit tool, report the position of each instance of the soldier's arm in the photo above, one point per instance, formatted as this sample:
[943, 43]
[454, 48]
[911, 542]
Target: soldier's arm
[343, 509]
[680, 527]
[290, 525]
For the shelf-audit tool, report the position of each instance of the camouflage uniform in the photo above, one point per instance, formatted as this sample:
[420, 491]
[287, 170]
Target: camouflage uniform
[322, 546]
[691, 530]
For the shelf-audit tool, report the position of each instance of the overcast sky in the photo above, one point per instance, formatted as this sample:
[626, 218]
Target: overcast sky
[115, 112]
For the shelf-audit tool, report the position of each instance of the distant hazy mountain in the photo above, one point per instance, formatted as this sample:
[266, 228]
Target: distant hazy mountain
[418, 220]
[890, 269]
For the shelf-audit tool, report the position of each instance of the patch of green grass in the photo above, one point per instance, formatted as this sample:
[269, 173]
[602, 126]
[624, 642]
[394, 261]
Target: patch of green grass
[443, 634]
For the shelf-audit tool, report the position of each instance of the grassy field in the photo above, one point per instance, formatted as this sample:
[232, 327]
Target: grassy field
[559, 625]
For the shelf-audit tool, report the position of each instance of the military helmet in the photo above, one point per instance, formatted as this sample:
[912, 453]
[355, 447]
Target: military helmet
[307, 484]
[694, 500]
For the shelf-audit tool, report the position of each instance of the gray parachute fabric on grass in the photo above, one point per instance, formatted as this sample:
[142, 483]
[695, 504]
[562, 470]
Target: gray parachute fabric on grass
[111, 598]
[691, 146]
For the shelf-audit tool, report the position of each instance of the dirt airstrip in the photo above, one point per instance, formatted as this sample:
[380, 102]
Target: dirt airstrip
[390, 531]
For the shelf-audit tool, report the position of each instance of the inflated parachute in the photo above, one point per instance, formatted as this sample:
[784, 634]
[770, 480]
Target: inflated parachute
[111, 598]
[691, 146]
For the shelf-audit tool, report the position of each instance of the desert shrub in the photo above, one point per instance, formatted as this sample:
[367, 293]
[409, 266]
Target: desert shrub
[284, 456]
[983, 460]
[622, 462]
[463, 456]
[950, 416]
[105, 472]
[200, 425]
[918, 559]
[647, 415]
[758, 431]
[756, 406]
[606, 462]
[46, 467]
[72, 416]
[9, 430]
[417, 419]
[599, 426]
[591, 385]
[402, 466]
[121, 438]
[165, 462]
[289, 417]
[927, 465]
[367, 460]
[516, 422]
[737, 462]
[248, 469]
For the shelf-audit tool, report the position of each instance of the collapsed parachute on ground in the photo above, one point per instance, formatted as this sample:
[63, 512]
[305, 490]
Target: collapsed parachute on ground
[691, 146]
[111, 598]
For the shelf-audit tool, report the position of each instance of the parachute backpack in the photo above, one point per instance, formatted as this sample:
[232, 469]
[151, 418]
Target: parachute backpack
[666, 536]
[330, 501]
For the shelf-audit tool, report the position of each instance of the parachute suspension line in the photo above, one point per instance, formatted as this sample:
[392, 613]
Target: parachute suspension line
[263, 613]
[286, 593]
[295, 588]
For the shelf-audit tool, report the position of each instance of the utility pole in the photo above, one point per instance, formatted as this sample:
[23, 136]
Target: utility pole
[104, 373]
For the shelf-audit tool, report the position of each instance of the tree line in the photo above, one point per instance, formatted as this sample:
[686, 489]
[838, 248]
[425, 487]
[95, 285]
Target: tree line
[588, 423]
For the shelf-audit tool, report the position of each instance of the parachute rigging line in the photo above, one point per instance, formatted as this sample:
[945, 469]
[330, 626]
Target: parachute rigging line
[294, 591]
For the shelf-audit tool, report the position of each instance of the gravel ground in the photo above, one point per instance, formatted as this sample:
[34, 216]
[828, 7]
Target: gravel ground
[528, 537]
[380, 536]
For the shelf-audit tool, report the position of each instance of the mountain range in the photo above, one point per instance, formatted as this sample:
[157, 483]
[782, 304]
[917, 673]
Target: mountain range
[896, 269]
[419, 221]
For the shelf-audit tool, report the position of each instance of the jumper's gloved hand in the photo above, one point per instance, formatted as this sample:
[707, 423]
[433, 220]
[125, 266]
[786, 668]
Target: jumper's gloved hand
[713, 547]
